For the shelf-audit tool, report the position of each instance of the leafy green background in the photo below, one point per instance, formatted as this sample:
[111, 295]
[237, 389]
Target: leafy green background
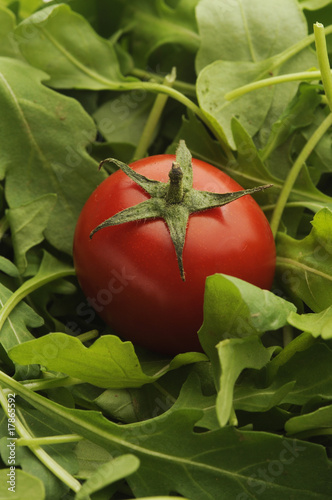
[99, 418]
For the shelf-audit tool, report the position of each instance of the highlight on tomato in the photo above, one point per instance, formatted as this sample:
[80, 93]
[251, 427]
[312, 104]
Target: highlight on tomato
[151, 233]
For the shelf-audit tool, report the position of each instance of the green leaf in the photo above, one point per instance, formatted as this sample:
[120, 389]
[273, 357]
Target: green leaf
[235, 355]
[251, 398]
[90, 457]
[8, 45]
[122, 119]
[50, 269]
[249, 58]
[57, 49]
[249, 168]
[320, 159]
[108, 363]
[224, 463]
[27, 7]
[24, 486]
[299, 113]
[27, 224]
[219, 78]
[191, 397]
[314, 4]
[317, 420]
[15, 329]
[236, 309]
[318, 324]
[107, 473]
[311, 371]
[39, 425]
[237, 31]
[153, 24]
[198, 141]
[304, 266]
[8, 267]
[45, 163]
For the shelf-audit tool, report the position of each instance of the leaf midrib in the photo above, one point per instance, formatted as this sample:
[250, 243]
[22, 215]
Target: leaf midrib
[31, 138]
[296, 264]
[73, 60]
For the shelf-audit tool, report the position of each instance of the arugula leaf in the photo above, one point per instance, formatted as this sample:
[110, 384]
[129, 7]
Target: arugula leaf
[8, 267]
[229, 30]
[107, 473]
[8, 45]
[45, 163]
[250, 397]
[311, 371]
[314, 4]
[299, 113]
[235, 355]
[311, 424]
[121, 119]
[28, 231]
[160, 453]
[108, 363]
[15, 329]
[36, 425]
[26, 485]
[50, 269]
[155, 24]
[304, 266]
[250, 58]
[236, 309]
[56, 48]
[192, 397]
[318, 324]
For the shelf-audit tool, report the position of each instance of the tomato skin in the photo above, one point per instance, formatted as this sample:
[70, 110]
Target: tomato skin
[130, 274]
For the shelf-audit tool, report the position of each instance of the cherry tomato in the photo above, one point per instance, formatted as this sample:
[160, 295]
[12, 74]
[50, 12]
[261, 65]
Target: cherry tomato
[130, 273]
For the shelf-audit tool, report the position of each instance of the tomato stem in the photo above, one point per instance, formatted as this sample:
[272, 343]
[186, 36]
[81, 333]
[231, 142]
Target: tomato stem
[175, 188]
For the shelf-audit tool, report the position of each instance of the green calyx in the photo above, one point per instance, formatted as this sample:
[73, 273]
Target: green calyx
[171, 201]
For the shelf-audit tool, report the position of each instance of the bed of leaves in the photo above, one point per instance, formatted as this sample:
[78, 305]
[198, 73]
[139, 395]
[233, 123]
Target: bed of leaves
[247, 85]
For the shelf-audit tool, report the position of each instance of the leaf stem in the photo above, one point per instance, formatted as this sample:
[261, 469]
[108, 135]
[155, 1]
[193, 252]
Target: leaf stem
[184, 87]
[25, 289]
[273, 80]
[188, 103]
[51, 383]
[41, 454]
[312, 205]
[47, 440]
[323, 61]
[300, 343]
[84, 337]
[287, 334]
[153, 119]
[278, 60]
[295, 170]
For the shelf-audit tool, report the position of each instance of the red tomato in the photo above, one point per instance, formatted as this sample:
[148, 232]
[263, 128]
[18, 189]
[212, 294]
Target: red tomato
[130, 274]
